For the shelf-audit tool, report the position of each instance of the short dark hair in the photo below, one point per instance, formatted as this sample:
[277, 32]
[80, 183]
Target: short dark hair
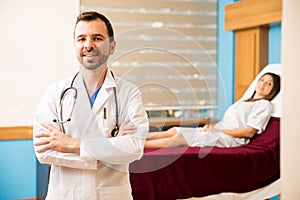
[92, 15]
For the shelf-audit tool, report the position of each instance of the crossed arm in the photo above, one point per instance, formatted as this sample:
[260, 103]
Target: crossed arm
[53, 139]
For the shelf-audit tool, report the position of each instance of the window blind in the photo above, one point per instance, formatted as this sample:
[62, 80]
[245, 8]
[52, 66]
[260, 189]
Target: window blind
[167, 48]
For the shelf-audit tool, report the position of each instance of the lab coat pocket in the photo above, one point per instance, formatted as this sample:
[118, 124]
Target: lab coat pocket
[108, 126]
[59, 194]
[115, 193]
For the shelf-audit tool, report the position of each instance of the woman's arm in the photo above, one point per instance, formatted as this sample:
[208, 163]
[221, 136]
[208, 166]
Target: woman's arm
[247, 132]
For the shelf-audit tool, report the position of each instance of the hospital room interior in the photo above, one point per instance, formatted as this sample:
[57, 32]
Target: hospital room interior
[191, 59]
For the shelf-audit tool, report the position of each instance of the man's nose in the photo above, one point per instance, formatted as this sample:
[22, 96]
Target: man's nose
[89, 45]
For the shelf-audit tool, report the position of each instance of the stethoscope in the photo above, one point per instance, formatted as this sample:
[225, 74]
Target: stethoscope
[61, 122]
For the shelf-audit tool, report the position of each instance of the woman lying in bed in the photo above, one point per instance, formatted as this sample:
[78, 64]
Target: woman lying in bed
[241, 121]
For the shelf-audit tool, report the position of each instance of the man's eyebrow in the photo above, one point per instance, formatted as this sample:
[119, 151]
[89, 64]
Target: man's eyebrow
[78, 36]
[98, 35]
[84, 35]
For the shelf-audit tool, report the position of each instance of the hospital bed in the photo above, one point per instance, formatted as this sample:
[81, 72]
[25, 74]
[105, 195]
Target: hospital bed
[247, 172]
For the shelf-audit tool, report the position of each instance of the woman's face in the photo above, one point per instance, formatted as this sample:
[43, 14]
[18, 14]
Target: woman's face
[264, 86]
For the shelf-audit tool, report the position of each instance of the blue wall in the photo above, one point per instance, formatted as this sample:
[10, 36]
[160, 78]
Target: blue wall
[225, 63]
[17, 169]
[275, 43]
[21, 175]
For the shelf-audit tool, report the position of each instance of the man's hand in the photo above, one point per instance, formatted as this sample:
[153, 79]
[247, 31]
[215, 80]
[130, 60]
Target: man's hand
[54, 139]
[127, 130]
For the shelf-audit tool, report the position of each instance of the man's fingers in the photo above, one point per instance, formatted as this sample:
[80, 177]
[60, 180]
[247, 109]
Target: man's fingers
[42, 142]
[130, 131]
[43, 145]
[50, 127]
[127, 130]
[42, 149]
[42, 134]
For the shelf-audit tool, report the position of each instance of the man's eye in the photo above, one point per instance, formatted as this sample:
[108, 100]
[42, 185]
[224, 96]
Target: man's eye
[80, 39]
[98, 39]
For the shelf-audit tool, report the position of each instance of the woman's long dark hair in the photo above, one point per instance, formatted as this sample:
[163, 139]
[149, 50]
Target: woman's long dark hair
[275, 90]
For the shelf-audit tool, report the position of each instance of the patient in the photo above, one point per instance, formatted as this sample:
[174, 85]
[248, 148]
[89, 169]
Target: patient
[241, 121]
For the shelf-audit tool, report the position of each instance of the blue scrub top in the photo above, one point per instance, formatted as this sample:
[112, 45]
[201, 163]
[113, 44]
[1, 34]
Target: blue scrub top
[94, 96]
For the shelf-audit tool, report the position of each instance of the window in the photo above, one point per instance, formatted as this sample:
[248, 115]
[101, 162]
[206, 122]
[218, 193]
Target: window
[168, 48]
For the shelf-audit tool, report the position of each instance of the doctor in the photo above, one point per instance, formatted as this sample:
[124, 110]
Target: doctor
[78, 124]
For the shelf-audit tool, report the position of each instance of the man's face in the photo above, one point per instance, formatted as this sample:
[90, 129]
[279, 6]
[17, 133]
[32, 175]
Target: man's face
[92, 43]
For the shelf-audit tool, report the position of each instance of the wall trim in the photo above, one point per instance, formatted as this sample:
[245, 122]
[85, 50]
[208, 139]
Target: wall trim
[16, 133]
[252, 13]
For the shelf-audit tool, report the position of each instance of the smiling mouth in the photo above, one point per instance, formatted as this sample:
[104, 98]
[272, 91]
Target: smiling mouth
[89, 54]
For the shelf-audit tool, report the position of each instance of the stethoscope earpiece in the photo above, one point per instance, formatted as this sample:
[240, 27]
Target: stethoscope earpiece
[61, 122]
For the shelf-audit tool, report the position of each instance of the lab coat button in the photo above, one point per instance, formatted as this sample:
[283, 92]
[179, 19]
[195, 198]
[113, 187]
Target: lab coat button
[88, 132]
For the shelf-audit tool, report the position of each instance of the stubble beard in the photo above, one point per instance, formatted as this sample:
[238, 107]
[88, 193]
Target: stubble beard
[92, 65]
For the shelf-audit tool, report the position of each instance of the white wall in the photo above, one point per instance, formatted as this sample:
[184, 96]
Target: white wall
[36, 48]
[290, 126]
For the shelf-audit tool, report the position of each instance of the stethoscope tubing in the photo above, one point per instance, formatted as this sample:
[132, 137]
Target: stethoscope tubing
[61, 122]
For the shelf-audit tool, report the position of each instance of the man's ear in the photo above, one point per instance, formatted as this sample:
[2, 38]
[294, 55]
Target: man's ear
[112, 47]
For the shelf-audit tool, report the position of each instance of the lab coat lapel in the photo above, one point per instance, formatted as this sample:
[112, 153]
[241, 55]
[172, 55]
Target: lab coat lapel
[82, 110]
[85, 116]
[105, 94]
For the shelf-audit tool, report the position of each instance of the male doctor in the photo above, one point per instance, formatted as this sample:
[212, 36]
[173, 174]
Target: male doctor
[78, 124]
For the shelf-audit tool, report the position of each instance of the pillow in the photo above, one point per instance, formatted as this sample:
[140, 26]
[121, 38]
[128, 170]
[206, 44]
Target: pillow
[273, 68]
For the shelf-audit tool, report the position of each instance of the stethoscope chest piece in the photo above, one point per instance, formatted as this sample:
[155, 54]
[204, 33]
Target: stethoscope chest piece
[115, 131]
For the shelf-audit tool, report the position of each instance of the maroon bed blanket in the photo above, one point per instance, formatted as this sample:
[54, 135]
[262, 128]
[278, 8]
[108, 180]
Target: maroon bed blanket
[184, 172]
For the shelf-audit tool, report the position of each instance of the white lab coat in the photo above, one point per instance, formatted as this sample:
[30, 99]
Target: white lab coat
[101, 169]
